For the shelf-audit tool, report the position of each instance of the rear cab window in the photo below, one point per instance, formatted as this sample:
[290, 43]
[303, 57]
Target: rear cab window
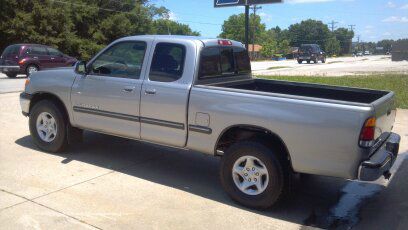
[223, 62]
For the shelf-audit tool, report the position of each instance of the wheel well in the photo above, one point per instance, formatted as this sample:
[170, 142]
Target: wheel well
[253, 133]
[50, 97]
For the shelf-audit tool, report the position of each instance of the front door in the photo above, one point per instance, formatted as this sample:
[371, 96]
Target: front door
[108, 98]
[165, 94]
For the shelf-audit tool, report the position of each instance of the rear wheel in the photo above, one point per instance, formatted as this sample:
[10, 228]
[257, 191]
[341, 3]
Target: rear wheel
[31, 69]
[11, 75]
[299, 61]
[324, 60]
[252, 175]
[48, 127]
[308, 61]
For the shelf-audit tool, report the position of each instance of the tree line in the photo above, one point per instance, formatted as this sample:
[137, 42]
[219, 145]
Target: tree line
[82, 27]
[279, 41]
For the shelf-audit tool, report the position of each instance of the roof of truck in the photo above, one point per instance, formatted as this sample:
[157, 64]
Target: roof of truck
[204, 40]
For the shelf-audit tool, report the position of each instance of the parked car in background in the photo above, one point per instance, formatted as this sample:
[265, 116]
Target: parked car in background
[358, 54]
[366, 52]
[311, 52]
[28, 58]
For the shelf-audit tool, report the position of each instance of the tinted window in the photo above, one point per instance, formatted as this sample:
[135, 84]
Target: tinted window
[210, 63]
[38, 50]
[54, 52]
[124, 59]
[243, 65]
[218, 62]
[227, 61]
[167, 63]
[11, 50]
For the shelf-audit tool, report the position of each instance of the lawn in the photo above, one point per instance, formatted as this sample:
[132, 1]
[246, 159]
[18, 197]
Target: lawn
[393, 82]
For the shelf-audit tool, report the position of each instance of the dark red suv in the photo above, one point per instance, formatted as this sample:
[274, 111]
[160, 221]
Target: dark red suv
[28, 58]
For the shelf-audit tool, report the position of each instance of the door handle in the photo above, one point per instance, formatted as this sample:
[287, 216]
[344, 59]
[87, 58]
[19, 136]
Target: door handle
[150, 91]
[128, 89]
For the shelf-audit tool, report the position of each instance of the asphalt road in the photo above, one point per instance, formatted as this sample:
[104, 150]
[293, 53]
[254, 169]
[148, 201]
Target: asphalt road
[109, 182]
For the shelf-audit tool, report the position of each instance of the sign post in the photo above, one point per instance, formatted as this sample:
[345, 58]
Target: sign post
[246, 3]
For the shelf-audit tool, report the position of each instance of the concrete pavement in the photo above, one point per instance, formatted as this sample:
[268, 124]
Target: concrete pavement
[109, 182]
[8, 85]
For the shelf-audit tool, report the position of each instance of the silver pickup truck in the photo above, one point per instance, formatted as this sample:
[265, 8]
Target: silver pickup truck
[198, 94]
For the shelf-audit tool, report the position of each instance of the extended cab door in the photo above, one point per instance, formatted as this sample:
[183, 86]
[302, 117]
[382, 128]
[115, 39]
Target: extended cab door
[107, 99]
[165, 93]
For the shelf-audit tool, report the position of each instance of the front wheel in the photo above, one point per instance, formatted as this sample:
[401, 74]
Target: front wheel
[48, 127]
[31, 69]
[324, 60]
[252, 175]
[299, 61]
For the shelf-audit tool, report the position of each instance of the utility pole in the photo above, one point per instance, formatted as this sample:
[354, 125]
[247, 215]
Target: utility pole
[246, 24]
[352, 27]
[332, 23]
[358, 42]
[254, 30]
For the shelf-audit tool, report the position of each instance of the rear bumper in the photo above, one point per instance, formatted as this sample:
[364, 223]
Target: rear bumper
[25, 100]
[381, 160]
[10, 68]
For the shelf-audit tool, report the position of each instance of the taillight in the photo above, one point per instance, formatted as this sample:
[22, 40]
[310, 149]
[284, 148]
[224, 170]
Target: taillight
[22, 61]
[224, 42]
[367, 133]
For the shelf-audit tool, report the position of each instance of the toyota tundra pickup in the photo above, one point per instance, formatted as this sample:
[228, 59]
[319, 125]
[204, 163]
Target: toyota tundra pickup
[198, 94]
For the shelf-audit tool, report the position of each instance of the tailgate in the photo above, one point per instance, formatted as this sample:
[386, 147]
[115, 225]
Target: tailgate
[385, 111]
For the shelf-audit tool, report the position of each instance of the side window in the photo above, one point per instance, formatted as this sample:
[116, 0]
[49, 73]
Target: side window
[38, 50]
[168, 62]
[54, 52]
[124, 59]
[210, 63]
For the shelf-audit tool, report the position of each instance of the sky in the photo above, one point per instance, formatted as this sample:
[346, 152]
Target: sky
[374, 20]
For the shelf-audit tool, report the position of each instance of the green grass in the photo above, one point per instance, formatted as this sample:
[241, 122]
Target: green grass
[393, 82]
[278, 67]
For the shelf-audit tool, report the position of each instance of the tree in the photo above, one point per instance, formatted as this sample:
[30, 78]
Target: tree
[269, 48]
[344, 36]
[309, 31]
[332, 46]
[78, 27]
[234, 28]
[166, 26]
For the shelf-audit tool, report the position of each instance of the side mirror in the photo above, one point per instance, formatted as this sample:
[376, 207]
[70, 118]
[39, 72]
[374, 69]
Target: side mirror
[80, 67]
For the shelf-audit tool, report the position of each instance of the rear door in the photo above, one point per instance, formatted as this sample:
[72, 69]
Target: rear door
[165, 93]
[10, 55]
[57, 58]
[108, 98]
[41, 57]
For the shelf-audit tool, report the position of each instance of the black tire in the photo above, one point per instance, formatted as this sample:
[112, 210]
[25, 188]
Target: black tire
[324, 60]
[299, 61]
[30, 66]
[315, 61]
[276, 186]
[11, 75]
[59, 143]
[308, 61]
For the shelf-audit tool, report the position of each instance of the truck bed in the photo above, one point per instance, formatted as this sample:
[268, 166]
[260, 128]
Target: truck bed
[355, 95]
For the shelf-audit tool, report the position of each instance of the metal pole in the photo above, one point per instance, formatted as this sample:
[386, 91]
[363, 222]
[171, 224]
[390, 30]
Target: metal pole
[246, 24]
